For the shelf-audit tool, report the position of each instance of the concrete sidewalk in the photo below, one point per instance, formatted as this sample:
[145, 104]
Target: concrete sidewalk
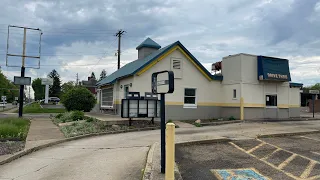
[42, 131]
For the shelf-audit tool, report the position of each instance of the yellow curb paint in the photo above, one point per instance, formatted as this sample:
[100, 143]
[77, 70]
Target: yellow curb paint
[255, 148]
[308, 170]
[287, 161]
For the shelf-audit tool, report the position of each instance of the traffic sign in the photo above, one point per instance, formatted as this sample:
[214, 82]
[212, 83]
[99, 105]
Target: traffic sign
[3, 98]
[314, 91]
[22, 80]
[46, 81]
[16, 98]
[162, 82]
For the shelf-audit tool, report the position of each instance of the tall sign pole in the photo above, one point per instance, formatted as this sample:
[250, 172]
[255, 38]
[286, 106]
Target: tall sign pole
[22, 71]
[22, 81]
[163, 132]
[162, 85]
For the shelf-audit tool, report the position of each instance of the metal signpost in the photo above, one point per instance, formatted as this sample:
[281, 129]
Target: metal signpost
[47, 82]
[162, 83]
[22, 81]
[3, 98]
[314, 93]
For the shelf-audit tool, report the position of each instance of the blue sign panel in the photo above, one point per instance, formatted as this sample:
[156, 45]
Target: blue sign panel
[270, 68]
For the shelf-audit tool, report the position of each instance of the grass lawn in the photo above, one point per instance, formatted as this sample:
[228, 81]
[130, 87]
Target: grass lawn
[14, 128]
[36, 108]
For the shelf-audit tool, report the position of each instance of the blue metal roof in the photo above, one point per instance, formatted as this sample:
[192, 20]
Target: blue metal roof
[292, 84]
[135, 66]
[149, 43]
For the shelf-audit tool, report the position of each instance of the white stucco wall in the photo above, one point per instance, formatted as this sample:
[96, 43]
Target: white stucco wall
[231, 70]
[295, 97]
[207, 91]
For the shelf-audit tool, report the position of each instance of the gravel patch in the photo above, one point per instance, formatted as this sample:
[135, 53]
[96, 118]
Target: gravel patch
[10, 147]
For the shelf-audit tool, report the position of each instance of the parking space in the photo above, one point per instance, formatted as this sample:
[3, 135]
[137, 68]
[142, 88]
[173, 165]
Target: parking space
[295, 157]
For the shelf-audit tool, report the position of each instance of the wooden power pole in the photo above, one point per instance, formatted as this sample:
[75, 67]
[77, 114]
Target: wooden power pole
[119, 34]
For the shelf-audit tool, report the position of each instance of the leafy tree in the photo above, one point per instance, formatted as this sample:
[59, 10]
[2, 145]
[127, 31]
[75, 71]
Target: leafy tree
[55, 89]
[68, 86]
[7, 88]
[103, 74]
[78, 98]
[38, 88]
[93, 75]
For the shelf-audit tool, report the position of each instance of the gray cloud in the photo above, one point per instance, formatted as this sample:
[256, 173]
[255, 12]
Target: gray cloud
[82, 32]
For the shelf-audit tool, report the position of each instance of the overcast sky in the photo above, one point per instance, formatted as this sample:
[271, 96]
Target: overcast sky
[78, 36]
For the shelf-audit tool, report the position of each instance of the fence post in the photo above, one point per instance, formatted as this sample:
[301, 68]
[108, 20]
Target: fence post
[170, 151]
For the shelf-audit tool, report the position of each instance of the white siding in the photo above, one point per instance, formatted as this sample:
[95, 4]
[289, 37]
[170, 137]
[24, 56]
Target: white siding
[231, 70]
[253, 94]
[249, 66]
[295, 97]
[207, 91]
[227, 93]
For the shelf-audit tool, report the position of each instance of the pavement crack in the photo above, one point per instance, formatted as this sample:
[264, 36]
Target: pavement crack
[101, 148]
[37, 170]
[41, 168]
[125, 147]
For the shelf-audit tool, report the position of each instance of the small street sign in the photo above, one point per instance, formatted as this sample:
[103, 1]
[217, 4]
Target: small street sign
[3, 98]
[16, 98]
[22, 80]
[314, 91]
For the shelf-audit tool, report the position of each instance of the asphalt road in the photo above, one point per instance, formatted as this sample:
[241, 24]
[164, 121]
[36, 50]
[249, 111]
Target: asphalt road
[295, 157]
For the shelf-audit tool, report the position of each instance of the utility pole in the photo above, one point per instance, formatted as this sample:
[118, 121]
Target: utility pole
[77, 81]
[119, 33]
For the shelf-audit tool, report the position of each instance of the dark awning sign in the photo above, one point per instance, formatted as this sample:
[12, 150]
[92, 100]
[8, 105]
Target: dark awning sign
[270, 68]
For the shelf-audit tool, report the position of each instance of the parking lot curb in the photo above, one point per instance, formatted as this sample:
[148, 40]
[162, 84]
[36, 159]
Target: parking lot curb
[36, 148]
[288, 134]
[221, 123]
[147, 173]
[206, 141]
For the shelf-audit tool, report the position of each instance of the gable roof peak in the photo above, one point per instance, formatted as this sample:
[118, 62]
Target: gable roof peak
[149, 43]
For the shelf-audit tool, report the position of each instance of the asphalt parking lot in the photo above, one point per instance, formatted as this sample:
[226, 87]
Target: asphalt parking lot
[294, 157]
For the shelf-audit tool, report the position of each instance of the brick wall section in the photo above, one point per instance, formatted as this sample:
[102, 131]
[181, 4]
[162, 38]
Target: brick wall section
[316, 105]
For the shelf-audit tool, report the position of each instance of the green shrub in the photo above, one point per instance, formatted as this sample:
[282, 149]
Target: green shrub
[232, 118]
[77, 115]
[90, 119]
[77, 129]
[78, 98]
[14, 128]
[197, 124]
[170, 121]
[59, 115]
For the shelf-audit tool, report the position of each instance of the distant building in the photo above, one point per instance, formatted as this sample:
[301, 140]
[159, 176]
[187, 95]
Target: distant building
[90, 85]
